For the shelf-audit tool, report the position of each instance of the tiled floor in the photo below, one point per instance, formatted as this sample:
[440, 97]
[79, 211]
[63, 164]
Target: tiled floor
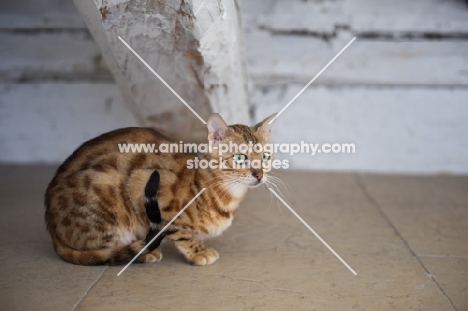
[406, 237]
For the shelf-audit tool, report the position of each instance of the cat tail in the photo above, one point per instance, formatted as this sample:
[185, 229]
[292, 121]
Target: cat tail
[106, 256]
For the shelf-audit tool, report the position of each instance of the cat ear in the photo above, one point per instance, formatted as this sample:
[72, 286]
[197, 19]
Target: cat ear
[264, 128]
[217, 128]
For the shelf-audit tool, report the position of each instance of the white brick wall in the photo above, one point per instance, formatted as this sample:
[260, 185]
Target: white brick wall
[400, 92]
[45, 122]
[394, 129]
[55, 90]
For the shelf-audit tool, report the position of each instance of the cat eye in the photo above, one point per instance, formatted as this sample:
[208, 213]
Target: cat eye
[266, 156]
[239, 158]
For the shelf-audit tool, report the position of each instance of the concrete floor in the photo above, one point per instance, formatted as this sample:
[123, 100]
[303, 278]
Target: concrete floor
[406, 237]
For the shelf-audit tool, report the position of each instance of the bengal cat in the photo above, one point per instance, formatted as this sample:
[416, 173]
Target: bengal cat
[103, 206]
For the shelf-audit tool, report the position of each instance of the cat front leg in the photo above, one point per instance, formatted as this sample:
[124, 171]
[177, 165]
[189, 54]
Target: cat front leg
[193, 249]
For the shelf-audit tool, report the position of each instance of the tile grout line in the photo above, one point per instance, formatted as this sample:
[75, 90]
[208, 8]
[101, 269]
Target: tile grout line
[89, 288]
[441, 256]
[373, 201]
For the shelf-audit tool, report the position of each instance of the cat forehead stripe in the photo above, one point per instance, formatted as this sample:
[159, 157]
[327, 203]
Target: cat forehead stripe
[246, 133]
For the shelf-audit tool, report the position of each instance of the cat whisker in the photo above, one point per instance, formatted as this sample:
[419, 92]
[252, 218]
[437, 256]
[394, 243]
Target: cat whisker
[221, 183]
[271, 185]
[269, 192]
[280, 185]
[228, 186]
[218, 178]
[280, 180]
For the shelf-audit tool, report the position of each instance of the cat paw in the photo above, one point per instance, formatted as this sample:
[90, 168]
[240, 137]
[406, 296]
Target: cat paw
[205, 257]
[154, 256]
[158, 254]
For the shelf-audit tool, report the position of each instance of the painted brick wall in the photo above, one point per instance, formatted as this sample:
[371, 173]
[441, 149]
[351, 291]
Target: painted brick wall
[399, 93]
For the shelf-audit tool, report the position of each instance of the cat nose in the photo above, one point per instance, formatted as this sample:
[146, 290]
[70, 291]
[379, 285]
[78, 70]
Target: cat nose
[258, 175]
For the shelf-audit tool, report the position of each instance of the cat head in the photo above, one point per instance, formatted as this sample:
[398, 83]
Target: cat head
[241, 151]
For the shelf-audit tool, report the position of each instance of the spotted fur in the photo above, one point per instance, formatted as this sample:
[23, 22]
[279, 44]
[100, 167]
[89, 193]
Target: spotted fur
[96, 204]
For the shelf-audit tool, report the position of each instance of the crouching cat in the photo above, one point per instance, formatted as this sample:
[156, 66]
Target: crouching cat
[103, 206]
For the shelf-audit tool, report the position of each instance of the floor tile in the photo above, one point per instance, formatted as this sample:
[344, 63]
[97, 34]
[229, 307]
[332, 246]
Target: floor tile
[430, 212]
[268, 259]
[452, 275]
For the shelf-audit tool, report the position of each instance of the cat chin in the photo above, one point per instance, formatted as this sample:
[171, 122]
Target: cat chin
[255, 184]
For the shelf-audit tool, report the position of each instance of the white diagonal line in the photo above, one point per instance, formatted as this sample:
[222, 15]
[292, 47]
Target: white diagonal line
[201, 5]
[162, 230]
[315, 233]
[311, 81]
[164, 82]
